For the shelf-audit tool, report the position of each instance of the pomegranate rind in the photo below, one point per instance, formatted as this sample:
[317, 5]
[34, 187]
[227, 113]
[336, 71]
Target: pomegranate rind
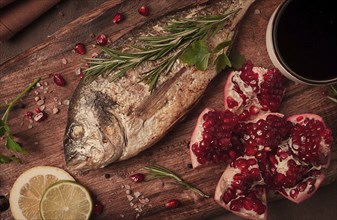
[197, 136]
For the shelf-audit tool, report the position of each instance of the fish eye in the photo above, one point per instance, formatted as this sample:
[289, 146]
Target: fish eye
[76, 132]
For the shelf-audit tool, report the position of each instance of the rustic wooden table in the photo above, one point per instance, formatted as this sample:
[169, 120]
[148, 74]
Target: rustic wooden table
[32, 46]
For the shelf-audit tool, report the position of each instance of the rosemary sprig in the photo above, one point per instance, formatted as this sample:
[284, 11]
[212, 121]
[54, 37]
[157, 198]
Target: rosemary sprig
[166, 49]
[11, 144]
[158, 171]
[334, 97]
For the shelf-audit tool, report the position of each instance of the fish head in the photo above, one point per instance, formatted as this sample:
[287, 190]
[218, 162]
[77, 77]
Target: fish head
[94, 136]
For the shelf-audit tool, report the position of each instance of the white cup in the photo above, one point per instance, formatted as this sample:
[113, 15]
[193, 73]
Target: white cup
[280, 62]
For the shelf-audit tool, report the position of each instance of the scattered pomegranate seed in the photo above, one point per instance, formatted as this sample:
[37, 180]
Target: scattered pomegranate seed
[37, 110]
[143, 10]
[29, 115]
[101, 40]
[98, 208]
[173, 203]
[117, 18]
[80, 48]
[137, 178]
[59, 80]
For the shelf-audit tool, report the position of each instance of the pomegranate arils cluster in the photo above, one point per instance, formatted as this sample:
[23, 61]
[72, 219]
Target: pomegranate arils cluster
[264, 149]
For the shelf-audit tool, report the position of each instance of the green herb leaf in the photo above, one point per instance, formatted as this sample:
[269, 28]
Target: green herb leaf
[221, 62]
[197, 54]
[157, 171]
[5, 159]
[3, 128]
[12, 145]
[221, 46]
[237, 60]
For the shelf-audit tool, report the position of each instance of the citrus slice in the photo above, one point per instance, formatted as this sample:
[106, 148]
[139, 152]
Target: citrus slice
[29, 187]
[66, 200]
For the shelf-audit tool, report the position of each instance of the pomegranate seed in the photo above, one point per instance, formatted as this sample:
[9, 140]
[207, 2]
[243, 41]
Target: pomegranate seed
[29, 115]
[143, 10]
[117, 18]
[231, 102]
[101, 40]
[173, 203]
[59, 80]
[137, 178]
[98, 208]
[80, 48]
[37, 110]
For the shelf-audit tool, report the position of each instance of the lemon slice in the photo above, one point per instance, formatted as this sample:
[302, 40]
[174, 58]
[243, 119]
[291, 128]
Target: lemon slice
[66, 200]
[29, 187]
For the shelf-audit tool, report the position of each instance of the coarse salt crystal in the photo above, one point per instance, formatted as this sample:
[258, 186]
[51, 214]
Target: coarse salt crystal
[55, 110]
[64, 60]
[66, 102]
[40, 102]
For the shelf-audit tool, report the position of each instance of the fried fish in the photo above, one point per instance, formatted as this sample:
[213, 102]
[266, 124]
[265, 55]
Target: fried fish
[111, 121]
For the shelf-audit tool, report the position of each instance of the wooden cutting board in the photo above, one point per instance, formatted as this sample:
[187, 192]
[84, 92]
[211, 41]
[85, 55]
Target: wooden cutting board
[44, 140]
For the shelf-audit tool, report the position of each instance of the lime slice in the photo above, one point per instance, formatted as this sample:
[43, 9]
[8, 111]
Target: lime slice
[29, 187]
[66, 200]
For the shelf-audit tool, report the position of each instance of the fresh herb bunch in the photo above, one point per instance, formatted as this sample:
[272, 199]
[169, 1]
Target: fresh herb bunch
[158, 171]
[11, 144]
[185, 40]
[334, 96]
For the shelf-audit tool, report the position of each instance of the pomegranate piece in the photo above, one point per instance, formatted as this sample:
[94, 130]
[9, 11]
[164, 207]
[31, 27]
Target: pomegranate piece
[101, 40]
[80, 48]
[118, 17]
[59, 80]
[311, 140]
[213, 139]
[240, 189]
[253, 90]
[98, 208]
[144, 10]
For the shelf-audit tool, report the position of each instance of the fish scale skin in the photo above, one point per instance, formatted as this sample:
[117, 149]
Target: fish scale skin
[132, 119]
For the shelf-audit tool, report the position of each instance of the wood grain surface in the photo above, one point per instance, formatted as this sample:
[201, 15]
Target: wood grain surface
[44, 140]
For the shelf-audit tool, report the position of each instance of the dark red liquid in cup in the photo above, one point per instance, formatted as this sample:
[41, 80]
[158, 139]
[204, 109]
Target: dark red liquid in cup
[305, 38]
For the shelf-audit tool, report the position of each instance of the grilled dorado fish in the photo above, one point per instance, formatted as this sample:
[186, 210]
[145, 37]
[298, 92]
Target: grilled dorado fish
[111, 121]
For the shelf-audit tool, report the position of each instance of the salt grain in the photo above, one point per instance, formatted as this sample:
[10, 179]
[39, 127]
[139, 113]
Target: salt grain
[257, 12]
[78, 71]
[55, 110]
[36, 92]
[131, 204]
[66, 102]
[136, 194]
[46, 84]
[42, 107]
[128, 192]
[130, 198]
[30, 126]
[121, 215]
[64, 61]
[40, 102]
[37, 98]
[122, 186]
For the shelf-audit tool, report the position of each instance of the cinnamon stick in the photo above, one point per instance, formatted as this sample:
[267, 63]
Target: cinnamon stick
[18, 15]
